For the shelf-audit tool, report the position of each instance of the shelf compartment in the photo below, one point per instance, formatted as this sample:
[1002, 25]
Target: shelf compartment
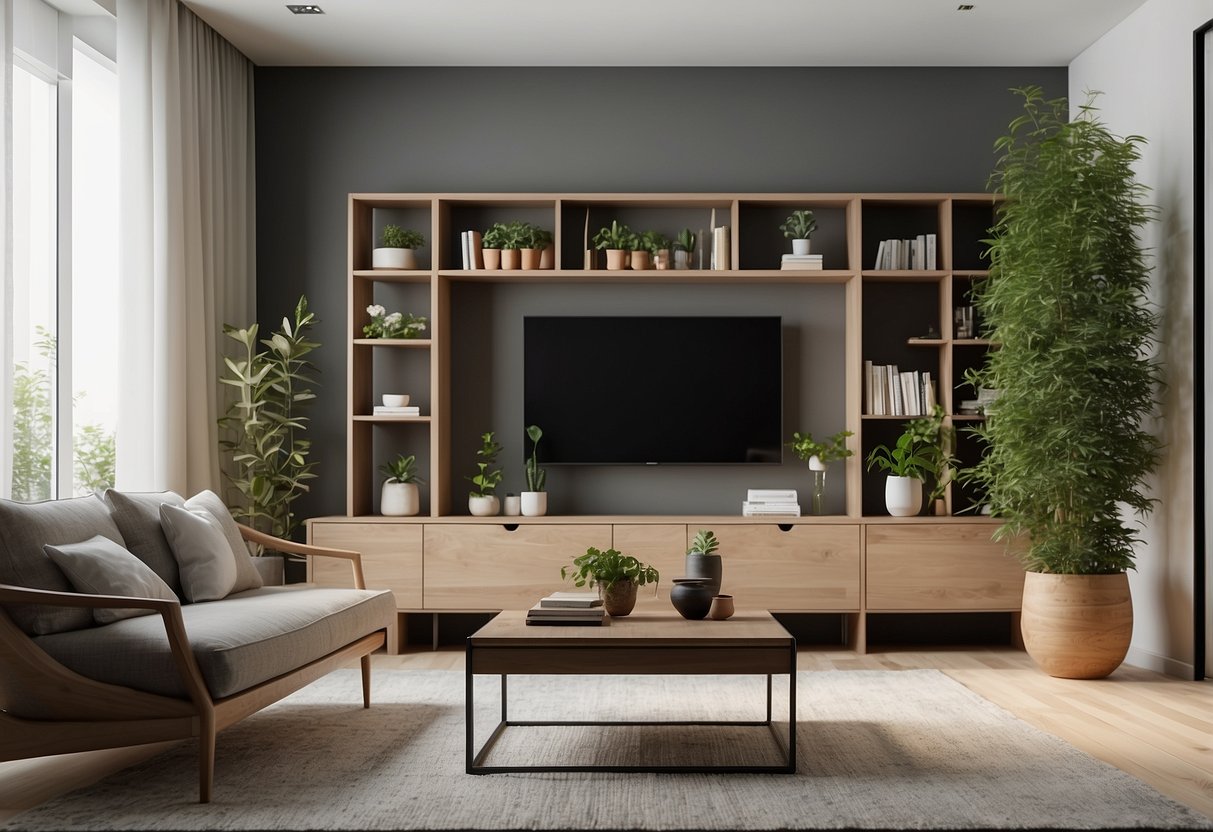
[761, 244]
[478, 213]
[972, 220]
[900, 219]
[369, 213]
[667, 216]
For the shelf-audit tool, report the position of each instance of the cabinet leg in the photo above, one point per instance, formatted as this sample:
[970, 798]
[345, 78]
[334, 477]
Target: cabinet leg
[1016, 632]
[856, 632]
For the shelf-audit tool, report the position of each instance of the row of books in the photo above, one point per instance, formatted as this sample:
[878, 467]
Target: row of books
[890, 392]
[801, 262]
[771, 502]
[473, 250]
[918, 253]
[570, 609]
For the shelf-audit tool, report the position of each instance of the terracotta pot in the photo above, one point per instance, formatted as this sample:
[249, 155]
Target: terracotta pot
[722, 608]
[640, 260]
[492, 259]
[531, 258]
[661, 260]
[511, 258]
[617, 258]
[1077, 626]
[547, 259]
[620, 599]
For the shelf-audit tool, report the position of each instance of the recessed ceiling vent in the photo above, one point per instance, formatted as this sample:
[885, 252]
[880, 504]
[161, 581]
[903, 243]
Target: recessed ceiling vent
[307, 9]
[965, 7]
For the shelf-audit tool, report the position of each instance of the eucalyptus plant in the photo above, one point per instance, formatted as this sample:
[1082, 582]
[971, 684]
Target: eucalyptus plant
[264, 425]
[1066, 300]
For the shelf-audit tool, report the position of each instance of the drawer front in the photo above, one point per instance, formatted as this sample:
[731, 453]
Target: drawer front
[807, 568]
[391, 557]
[928, 567]
[662, 547]
[488, 567]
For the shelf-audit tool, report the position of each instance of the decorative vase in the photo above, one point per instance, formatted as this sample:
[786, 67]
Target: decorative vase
[692, 597]
[531, 258]
[534, 503]
[800, 246]
[682, 259]
[511, 506]
[619, 599]
[707, 568]
[617, 258]
[399, 499]
[640, 260]
[722, 608]
[940, 507]
[511, 259]
[492, 259]
[483, 506]
[818, 489]
[903, 496]
[661, 260]
[1077, 626]
[393, 258]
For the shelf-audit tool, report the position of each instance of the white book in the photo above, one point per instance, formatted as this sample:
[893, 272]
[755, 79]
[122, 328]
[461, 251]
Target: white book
[753, 512]
[771, 495]
[464, 242]
[787, 505]
[931, 252]
[397, 411]
[920, 251]
[570, 600]
[867, 387]
[928, 392]
[879, 264]
[898, 408]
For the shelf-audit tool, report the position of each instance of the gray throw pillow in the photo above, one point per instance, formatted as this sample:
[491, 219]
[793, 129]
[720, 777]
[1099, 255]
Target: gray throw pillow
[99, 566]
[137, 515]
[247, 576]
[208, 568]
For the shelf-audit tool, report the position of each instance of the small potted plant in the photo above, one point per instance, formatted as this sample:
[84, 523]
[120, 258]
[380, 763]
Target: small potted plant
[658, 245]
[684, 244]
[702, 560]
[482, 502]
[617, 240]
[394, 325]
[938, 443]
[616, 575]
[818, 455]
[491, 244]
[515, 237]
[798, 228]
[537, 240]
[908, 463]
[400, 496]
[534, 499]
[396, 249]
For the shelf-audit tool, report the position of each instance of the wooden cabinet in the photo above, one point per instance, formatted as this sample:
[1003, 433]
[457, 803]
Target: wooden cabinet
[499, 566]
[940, 567]
[661, 546]
[391, 558]
[797, 567]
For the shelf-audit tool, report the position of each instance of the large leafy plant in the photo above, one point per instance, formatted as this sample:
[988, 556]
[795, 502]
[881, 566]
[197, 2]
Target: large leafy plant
[1066, 299]
[605, 569]
[264, 425]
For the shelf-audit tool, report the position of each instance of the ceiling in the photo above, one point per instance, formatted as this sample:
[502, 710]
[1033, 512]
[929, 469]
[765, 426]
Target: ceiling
[665, 32]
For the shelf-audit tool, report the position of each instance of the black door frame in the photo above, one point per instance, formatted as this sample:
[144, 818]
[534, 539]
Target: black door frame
[1200, 194]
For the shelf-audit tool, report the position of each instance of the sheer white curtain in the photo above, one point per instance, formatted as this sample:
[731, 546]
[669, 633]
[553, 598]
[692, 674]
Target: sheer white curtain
[6, 232]
[187, 248]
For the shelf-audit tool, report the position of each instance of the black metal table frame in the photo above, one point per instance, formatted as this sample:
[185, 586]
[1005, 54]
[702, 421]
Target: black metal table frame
[475, 759]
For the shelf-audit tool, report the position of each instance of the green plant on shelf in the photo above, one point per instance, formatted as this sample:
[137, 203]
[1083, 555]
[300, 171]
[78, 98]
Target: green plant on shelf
[807, 449]
[393, 236]
[401, 469]
[394, 325]
[537, 238]
[938, 443]
[607, 568]
[653, 242]
[685, 241]
[616, 236]
[800, 225]
[486, 478]
[704, 543]
[536, 477]
[909, 457]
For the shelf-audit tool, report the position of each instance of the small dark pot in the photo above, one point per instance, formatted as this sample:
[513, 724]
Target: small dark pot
[692, 597]
[620, 599]
[707, 567]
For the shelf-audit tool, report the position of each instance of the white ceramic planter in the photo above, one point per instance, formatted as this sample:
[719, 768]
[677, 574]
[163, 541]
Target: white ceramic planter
[483, 506]
[903, 496]
[682, 259]
[399, 499]
[801, 246]
[534, 503]
[512, 506]
[393, 258]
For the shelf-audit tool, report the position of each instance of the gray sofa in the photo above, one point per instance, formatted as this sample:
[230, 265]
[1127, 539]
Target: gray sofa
[168, 669]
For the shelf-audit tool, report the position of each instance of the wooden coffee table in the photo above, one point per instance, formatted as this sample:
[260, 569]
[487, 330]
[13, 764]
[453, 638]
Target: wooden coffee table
[642, 643]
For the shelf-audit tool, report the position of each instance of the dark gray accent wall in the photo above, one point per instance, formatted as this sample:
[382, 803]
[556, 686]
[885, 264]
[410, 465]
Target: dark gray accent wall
[323, 133]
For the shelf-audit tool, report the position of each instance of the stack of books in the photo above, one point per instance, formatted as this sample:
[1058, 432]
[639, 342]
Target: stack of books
[568, 609]
[800, 262]
[472, 249]
[381, 410]
[771, 502]
[888, 391]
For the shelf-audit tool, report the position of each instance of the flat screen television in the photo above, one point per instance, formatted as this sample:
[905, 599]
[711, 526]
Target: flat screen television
[654, 390]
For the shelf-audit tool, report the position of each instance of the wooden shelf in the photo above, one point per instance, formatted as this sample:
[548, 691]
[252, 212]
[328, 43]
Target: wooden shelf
[393, 275]
[925, 342]
[970, 273]
[693, 276]
[903, 275]
[967, 417]
[974, 342]
[408, 343]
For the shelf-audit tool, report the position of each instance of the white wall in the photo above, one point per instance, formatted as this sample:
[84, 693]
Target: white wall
[1143, 67]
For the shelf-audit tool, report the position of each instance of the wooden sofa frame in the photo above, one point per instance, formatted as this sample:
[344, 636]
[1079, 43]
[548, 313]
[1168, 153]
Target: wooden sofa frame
[76, 713]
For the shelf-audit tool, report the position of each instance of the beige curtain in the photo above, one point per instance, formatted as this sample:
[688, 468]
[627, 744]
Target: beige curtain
[187, 256]
[6, 263]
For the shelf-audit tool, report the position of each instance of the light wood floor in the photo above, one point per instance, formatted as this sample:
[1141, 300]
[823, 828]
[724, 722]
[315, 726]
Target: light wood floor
[1155, 727]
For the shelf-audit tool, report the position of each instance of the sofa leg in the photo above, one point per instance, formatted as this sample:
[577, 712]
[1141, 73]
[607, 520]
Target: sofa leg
[366, 681]
[206, 760]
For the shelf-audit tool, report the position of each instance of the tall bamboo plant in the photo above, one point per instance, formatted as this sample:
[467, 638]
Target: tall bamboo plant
[265, 426]
[1066, 299]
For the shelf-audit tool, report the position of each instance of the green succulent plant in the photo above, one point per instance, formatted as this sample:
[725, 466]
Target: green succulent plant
[704, 543]
[800, 225]
[393, 236]
[401, 469]
[685, 241]
[616, 236]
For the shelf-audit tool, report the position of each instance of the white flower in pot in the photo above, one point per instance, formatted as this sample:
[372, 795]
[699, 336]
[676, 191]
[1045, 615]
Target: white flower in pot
[396, 249]
[534, 499]
[799, 227]
[394, 325]
[400, 497]
[482, 502]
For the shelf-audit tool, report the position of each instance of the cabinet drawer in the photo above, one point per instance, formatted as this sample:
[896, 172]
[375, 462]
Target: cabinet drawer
[930, 567]
[807, 568]
[391, 557]
[488, 567]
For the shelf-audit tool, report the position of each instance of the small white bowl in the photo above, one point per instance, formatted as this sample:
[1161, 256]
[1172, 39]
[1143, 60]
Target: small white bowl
[395, 400]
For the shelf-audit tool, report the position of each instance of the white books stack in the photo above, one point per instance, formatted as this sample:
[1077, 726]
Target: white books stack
[810, 262]
[568, 609]
[917, 254]
[890, 392]
[381, 410]
[771, 502]
[472, 250]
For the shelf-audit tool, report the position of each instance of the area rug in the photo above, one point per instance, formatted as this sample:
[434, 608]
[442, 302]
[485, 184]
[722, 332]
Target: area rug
[877, 750]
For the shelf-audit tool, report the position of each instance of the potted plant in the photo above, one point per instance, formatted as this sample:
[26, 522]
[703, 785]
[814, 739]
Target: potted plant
[908, 464]
[616, 575]
[515, 236]
[818, 454]
[400, 496]
[684, 244]
[938, 443]
[1066, 452]
[617, 240]
[658, 245]
[396, 248]
[702, 560]
[535, 242]
[395, 325]
[491, 244]
[482, 502]
[534, 499]
[799, 227]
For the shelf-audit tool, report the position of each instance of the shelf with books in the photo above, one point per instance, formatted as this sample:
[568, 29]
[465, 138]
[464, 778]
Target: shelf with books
[476, 214]
[762, 244]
